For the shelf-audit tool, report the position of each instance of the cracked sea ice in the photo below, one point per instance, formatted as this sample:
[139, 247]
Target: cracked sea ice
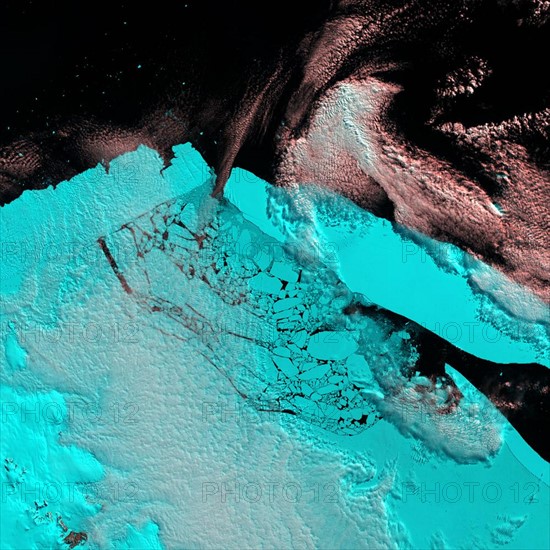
[240, 380]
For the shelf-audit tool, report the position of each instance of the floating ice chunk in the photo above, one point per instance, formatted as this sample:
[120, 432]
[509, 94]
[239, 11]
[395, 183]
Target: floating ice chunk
[284, 272]
[285, 365]
[332, 345]
[265, 283]
[315, 372]
[285, 304]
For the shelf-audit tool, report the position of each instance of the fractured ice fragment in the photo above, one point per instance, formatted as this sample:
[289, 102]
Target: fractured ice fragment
[300, 338]
[285, 304]
[265, 283]
[327, 389]
[284, 272]
[282, 352]
[285, 365]
[331, 345]
[316, 372]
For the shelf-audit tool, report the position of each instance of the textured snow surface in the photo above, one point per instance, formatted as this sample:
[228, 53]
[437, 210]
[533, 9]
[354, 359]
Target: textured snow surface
[179, 370]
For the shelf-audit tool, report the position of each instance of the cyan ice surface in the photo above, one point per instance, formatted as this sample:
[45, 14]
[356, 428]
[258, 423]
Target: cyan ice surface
[437, 289]
[16, 356]
[146, 539]
[41, 478]
[226, 402]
